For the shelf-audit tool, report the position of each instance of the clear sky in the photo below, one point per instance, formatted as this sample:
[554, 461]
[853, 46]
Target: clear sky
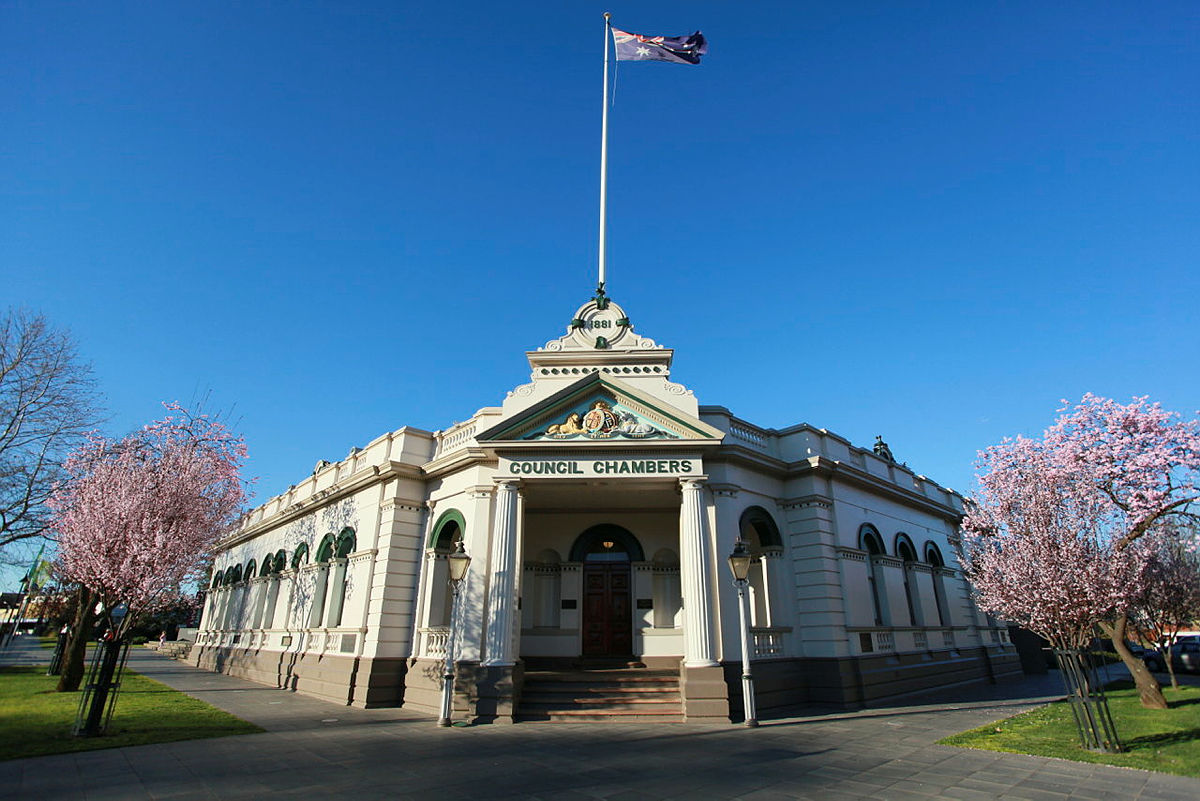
[930, 221]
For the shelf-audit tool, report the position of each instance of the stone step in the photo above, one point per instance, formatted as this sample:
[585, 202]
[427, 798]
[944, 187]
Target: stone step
[588, 716]
[624, 704]
[593, 693]
[598, 695]
[636, 675]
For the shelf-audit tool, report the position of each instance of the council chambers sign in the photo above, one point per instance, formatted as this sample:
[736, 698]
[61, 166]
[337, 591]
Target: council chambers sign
[594, 468]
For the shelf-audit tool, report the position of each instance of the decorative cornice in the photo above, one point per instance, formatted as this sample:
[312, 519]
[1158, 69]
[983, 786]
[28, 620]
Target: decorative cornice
[853, 554]
[404, 505]
[803, 502]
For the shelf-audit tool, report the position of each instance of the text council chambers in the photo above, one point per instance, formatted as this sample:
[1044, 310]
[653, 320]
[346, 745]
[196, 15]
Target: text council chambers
[600, 467]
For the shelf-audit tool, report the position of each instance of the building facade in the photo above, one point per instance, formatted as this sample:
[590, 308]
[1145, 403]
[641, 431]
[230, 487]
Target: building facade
[598, 504]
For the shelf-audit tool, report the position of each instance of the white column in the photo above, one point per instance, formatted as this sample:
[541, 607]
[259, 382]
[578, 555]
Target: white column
[695, 557]
[502, 593]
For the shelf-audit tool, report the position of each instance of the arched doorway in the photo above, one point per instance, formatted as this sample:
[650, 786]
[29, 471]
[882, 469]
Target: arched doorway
[606, 552]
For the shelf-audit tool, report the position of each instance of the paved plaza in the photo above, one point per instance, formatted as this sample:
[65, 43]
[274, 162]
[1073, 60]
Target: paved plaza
[313, 749]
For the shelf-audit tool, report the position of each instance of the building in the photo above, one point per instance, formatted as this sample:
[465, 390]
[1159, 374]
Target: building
[598, 503]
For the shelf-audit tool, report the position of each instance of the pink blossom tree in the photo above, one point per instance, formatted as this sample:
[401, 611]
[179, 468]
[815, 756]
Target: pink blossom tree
[1053, 538]
[1170, 597]
[136, 518]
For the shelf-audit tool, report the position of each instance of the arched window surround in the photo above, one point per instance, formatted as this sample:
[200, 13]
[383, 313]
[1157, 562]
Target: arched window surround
[300, 556]
[325, 548]
[870, 541]
[450, 526]
[933, 556]
[907, 553]
[586, 542]
[757, 528]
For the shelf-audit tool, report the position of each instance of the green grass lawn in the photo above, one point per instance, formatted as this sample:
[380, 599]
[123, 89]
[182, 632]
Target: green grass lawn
[1166, 741]
[35, 720]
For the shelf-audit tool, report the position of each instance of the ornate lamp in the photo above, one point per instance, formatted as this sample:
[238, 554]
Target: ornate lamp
[457, 562]
[739, 561]
[739, 565]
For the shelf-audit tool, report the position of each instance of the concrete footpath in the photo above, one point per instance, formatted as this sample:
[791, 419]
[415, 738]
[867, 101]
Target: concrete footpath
[313, 749]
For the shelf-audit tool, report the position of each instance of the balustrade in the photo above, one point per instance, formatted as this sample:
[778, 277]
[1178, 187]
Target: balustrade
[434, 641]
[767, 642]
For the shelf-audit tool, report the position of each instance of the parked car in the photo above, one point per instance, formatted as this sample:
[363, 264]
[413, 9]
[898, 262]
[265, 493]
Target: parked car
[1185, 656]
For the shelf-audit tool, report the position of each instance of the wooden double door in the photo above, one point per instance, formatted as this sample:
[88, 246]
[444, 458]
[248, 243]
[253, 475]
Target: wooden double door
[607, 609]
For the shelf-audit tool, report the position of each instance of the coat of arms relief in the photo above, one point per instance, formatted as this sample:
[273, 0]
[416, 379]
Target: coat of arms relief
[603, 420]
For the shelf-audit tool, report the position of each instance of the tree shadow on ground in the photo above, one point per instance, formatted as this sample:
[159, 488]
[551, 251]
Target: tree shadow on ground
[1150, 741]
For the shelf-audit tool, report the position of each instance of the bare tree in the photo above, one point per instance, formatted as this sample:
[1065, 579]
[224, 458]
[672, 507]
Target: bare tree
[48, 402]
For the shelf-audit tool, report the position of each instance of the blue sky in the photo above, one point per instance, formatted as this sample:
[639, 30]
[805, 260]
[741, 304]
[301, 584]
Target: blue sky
[929, 221]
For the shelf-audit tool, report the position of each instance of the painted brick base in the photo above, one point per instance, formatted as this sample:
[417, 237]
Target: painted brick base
[343, 679]
[865, 681]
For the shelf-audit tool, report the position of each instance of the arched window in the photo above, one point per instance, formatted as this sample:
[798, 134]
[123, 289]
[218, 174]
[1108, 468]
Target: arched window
[606, 542]
[273, 565]
[300, 556]
[336, 549]
[758, 529]
[870, 541]
[218, 579]
[933, 557]
[250, 570]
[908, 554]
[233, 575]
[325, 549]
[667, 594]
[346, 543]
[447, 531]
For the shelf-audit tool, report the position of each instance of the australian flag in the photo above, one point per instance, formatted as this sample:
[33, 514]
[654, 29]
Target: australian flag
[676, 49]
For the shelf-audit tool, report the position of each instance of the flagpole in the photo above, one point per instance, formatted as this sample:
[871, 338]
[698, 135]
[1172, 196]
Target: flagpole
[604, 158]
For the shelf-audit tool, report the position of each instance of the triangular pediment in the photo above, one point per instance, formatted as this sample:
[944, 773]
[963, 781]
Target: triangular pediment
[596, 409]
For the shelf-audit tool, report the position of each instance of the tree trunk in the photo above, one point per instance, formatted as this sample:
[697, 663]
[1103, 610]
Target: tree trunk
[1149, 691]
[1170, 667]
[81, 632]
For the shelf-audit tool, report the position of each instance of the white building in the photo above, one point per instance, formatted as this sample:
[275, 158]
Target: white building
[598, 504]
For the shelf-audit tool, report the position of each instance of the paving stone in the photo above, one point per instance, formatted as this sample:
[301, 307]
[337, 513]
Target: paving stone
[395, 754]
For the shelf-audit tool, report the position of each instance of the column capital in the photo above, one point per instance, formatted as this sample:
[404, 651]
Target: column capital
[693, 482]
[507, 481]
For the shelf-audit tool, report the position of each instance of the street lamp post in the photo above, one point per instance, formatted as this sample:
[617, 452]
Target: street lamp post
[458, 563]
[739, 565]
